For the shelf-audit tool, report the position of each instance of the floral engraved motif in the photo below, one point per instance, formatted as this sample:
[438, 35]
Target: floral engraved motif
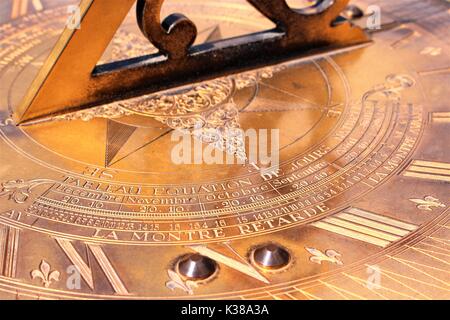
[391, 89]
[180, 108]
[206, 111]
[176, 282]
[45, 274]
[248, 79]
[428, 203]
[110, 111]
[20, 190]
[195, 101]
[329, 255]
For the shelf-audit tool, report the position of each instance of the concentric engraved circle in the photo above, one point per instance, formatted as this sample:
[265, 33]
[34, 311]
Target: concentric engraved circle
[239, 202]
[105, 180]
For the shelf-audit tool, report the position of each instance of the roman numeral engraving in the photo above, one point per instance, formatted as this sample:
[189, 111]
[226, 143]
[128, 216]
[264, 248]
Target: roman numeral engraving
[9, 241]
[440, 117]
[85, 270]
[439, 171]
[21, 7]
[242, 267]
[366, 226]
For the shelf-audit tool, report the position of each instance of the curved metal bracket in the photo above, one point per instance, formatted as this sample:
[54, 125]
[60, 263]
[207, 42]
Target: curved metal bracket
[303, 28]
[298, 33]
[173, 37]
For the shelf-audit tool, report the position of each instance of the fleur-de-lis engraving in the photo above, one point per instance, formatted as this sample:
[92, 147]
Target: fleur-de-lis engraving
[45, 274]
[176, 282]
[329, 255]
[428, 203]
[20, 190]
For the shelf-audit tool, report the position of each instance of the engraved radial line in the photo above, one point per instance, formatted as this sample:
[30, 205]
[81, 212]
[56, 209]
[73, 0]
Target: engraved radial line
[366, 226]
[86, 271]
[290, 94]
[434, 252]
[386, 220]
[442, 269]
[362, 229]
[15, 10]
[433, 255]
[395, 275]
[37, 4]
[392, 278]
[440, 241]
[13, 251]
[411, 264]
[116, 136]
[3, 239]
[236, 265]
[340, 294]
[351, 234]
[286, 107]
[342, 291]
[9, 242]
[432, 164]
[142, 147]
[310, 296]
[119, 134]
[372, 224]
[429, 170]
[435, 71]
[77, 260]
[363, 283]
[427, 176]
[20, 7]
[390, 289]
[108, 269]
[402, 40]
[440, 117]
[24, 7]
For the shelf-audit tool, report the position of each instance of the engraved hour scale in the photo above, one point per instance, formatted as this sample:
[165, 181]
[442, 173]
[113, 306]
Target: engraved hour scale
[358, 208]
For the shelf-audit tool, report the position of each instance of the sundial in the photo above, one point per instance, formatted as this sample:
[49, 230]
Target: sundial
[95, 97]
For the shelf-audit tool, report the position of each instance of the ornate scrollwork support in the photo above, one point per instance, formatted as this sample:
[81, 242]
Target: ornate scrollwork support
[312, 31]
[303, 28]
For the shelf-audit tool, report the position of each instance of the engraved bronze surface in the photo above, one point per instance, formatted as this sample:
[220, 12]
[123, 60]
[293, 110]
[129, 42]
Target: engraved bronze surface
[92, 207]
[65, 85]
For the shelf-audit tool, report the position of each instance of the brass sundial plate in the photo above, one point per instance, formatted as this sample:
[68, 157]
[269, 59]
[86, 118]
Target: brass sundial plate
[362, 192]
